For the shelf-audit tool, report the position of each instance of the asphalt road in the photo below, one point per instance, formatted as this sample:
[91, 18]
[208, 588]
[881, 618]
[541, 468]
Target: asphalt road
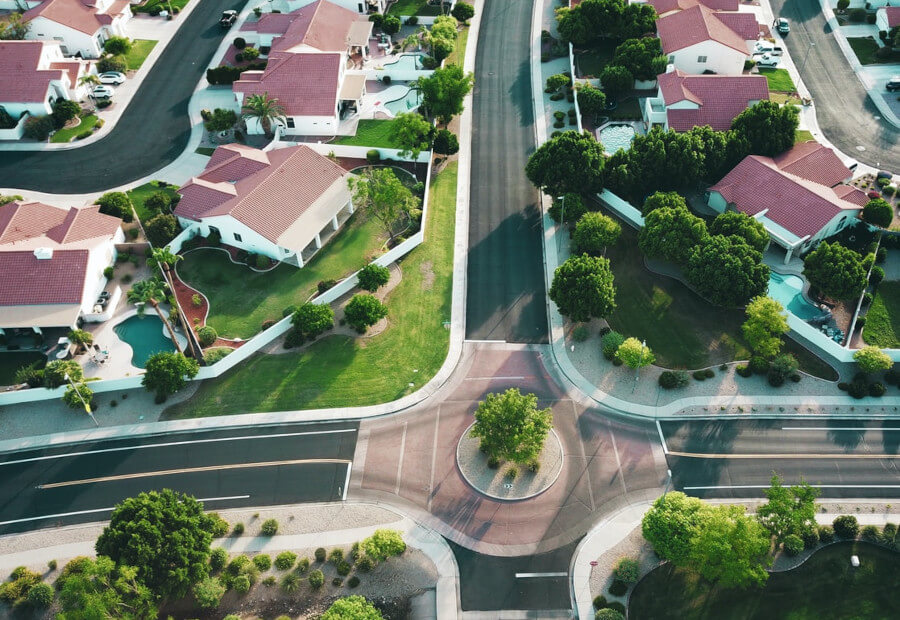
[845, 112]
[239, 467]
[153, 131]
[506, 293]
[732, 459]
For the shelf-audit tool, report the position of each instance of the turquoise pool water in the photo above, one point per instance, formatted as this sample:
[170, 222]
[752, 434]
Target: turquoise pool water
[144, 334]
[788, 289]
[616, 137]
[409, 62]
[407, 103]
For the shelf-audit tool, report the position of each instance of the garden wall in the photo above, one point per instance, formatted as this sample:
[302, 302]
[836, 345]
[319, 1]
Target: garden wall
[16, 132]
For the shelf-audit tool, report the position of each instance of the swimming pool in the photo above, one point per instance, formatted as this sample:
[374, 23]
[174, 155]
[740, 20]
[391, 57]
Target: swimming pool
[408, 102]
[407, 62]
[144, 334]
[616, 137]
[788, 290]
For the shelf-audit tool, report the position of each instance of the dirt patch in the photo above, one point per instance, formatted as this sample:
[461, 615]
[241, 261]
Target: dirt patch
[427, 269]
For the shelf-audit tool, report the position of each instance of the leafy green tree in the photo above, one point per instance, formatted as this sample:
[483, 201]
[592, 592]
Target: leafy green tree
[658, 200]
[671, 234]
[615, 80]
[445, 142]
[727, 271]
[64, 110]
[220, 120]
[78, 397]
[80, 338]
[768, 128]
[782, 367]
[167, 372]
[878, 212]
[363, 311]
[56, 371]
[443, 91]
[13, 27]
[638, 20]
[731, 549]
[558, 81]
[511, 427]
[40, 596]
[372, 277]
[165, 535]
[591, 100]
[747, 228]
[594, 232]
[208, 593]
[642, 57]
[583, 288]
[569, 207]
[412, 133]
[463, 12]
[835, 270]
[158, 202]
[117, 46]
[264, 109]
[842, 5]
[382, 544]
[671, 525]
[161, 229]
[384, 198]
[390, 24]
[872, 359]
[116, 204]
[356, 607]
[313, 319]
[108, 62]
[765, 325]
[789, 510]
[635, 354]
[570, 162]
[96, 588]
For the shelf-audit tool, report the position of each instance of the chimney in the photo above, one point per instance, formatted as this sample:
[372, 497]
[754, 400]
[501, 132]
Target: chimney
[43, 253]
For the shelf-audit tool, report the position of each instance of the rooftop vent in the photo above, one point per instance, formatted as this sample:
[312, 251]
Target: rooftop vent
[43, 253]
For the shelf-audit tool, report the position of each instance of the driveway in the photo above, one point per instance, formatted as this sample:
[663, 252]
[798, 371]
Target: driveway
[152, 132]
[506, 294]
[846, 114]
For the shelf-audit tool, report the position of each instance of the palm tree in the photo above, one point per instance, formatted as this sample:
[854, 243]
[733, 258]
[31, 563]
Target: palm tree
[150, 291]
[81, 338]
[89, 79]
[263, 108]
[165, 259]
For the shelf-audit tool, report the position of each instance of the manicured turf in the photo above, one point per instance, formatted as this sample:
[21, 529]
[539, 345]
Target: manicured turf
[373, 133]
[163, 4]
[864, 48]
[779, 80]
[140, 49]
[11, 361]
[342, 371]
[459, 53]
[883, 319]
[241, 299]
[141, 193]
[65, 135]
[414, 7]
[826, 586]
[802, 135]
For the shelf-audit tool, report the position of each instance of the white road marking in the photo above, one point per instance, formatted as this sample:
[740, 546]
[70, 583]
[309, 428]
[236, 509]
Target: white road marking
[528, 575]
[400, 462]
[169, 444]
[486, 341]
[508, 378]
[818, 486]
[838, 428]
[347, 481]
[87, 512]
[662, 438]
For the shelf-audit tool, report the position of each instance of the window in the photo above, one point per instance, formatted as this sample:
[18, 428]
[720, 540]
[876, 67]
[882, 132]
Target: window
[290, 122]
[701, 59]
[237, 237]
[671, 58]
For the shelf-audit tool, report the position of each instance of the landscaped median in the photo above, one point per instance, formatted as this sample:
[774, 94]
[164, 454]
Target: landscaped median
[343, 371]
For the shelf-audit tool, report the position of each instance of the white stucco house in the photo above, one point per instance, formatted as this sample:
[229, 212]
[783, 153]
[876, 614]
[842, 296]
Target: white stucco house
[278, 203]
[799, 196]
[700, 40]
[52, 262]
[888, 17]
[80, 26]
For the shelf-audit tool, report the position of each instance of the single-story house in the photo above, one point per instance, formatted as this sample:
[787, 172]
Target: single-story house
[664, 7]
[684, 101]
[799, 196]
[80, 26]
[315, 90]
[887, 17]
[34, 75]
[274, 202]
[52, 262]
[321, 26]
[700, 40]
[362, 7]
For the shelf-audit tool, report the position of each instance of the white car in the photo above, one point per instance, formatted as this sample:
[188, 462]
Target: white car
[112, 77]
[101, 92]
[767, 60]
[764, 47]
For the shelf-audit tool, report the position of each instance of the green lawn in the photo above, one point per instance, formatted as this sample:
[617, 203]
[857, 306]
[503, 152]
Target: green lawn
[592, 61]
[341, 371]
[883, 319]
[241, 299]
[205, 150]
[824, 587]
[163, 4]
[140, 49]
[627, 110]
[779, 80]
[864, 48]
[141, 193]
[802, 135]
[65, 135]
[458, 56]
[372, 133]
[11, 361]
[414, 7]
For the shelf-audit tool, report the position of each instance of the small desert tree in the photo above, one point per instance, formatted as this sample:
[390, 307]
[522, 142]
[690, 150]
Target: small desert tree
[372, 277]
[167, 372]
[383, 198]
[363, 311]
[511, 427]
[635, 354]
[412, 133]
[313, 319]
[766, 323]
[872, 359]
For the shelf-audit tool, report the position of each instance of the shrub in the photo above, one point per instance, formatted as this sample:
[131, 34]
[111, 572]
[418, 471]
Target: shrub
[793, 545]
[445, 142]
[112, 63]
[861, 322]
[363, 311]
[316, 579]
[826, 533]
[383, 544]
[876, 389]
[373, 156]
[269, 527]
[699, 375]
[262, 561]
[218, 557]
[353, 581]
[759, 365]
[267, 324]
[219, 525]
[343, 568]
[38, 127]
[324, 285]
[616, 606]
[888, 534]
[87, 134]
[372, 276]
[627, 570]
[285, 560]
[40, 595]
[858, 388]
[336, 556]
[262, 261]
[209, 592]
[618, 588]
[845, 526]
[337, 582]
[320, 554]
[303, 565]
[51, 565]
[669, 380]
[290, 582]
[64, 110]
[238, 529]
[867, 298]
[608, 613]
[743, 370]
[365, 564]
[869, 533]
[857, 15]
[270, 581]
[207, 335]
[581, 333]
[599, 601]
[512, 472]
[610, 343]
[810, 538]
[294, 338]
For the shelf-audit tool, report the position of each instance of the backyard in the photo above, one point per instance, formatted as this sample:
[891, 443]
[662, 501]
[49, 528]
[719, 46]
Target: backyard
[825, 586]
[590, 62]
[140, 194]
[371, 133]
[140, 49]
[342, 371]
[883, 319]
[11, 361]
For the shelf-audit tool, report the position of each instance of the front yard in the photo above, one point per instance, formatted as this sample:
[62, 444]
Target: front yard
[803, 135]
[86, 125]
[371, 133]
[162, 4]
[883, 319]
[140, 194]
[414, 7]
[140, 49]
[342, 371]
[779, 80]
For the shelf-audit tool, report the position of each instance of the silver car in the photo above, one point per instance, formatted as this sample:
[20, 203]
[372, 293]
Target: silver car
[112, 77]
[101, 92]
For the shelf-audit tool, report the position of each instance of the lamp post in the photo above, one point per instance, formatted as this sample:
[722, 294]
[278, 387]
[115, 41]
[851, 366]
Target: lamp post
[805, 58]
[562, 214]
[87, 407]
[640, 363]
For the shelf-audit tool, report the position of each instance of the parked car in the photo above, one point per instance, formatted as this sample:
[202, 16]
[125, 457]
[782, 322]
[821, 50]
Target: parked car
[101, 92]
[764, 47]
[872, 195]
[782, 25]
[893, 83]
[112, 77]
[884, 174]
[767, 60]
[228, 18]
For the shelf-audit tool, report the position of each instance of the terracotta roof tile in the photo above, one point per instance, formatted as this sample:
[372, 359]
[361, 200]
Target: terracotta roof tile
[720, 97]
[77, 14]
[27, 280]
[322, 25]
[28, 221]
[698, 23]
[665, 6]
[814, 162]
[893, 15]
[304, 84]
[21, 81]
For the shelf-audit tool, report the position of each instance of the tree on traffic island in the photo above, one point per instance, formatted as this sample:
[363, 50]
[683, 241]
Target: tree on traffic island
[511, 427]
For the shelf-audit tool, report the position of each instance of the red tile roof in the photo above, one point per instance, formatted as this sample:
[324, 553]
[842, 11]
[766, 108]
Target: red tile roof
[720, 97]
[74, 68]
[21, 81]
[26, 221]
[665, 6]
[26, 280]
[77, 14]
[814, 162]
[698, 23]
[267, 200]
[322, 25]
[798, 205]
[304, 84]
[893, 15]
[851, 194]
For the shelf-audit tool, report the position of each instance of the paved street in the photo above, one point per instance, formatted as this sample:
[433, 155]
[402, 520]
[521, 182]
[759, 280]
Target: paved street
[845, 113]
[152, 132]
[506, 293]
[239, 467]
